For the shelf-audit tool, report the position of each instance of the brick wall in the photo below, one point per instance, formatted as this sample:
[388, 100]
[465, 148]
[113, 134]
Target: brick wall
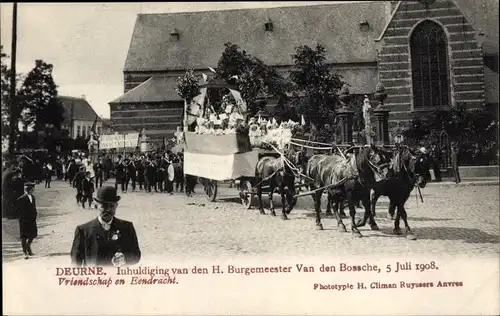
[465, 58]
[158, 119]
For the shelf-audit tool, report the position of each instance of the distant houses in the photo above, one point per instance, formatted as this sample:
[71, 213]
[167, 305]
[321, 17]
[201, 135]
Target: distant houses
[79, 117]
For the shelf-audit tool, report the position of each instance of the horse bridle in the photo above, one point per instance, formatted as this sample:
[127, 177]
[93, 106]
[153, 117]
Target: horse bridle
[412, 163]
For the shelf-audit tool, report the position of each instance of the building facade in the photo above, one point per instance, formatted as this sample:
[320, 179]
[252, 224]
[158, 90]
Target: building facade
[428, 54]
[79, 116]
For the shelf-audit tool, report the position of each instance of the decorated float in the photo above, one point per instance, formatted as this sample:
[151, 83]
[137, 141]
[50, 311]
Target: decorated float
[221, 142]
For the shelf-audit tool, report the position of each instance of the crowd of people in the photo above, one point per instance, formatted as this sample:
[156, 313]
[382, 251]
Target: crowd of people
[154, 172]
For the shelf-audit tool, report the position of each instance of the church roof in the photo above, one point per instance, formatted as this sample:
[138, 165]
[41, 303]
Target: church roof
[155, 89]
[202, 35]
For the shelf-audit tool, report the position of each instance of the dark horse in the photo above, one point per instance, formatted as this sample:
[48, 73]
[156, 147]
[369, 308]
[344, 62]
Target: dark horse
[408, 171]
[279, 173]
[350, 179]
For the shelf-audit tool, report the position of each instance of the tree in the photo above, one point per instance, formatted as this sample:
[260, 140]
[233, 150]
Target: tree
[315, 87]
[254, 79]
[38, 95]
[476, 131]
[5, 90]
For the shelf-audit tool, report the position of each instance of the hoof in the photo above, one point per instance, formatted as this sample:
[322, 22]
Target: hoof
[273, 213]
[410, 236]
[284, 217]
[341, 229]
[319, 226]
[374, 227]
[343, 216]
[390, 216]
[356, 234]
[397, 231]
[360, 223]
[262, 213]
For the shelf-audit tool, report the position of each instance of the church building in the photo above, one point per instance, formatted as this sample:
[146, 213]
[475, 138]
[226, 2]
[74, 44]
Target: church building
[428, 54]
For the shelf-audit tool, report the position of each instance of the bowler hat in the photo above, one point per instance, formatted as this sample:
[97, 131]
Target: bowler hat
[107, 195]
[29, 184]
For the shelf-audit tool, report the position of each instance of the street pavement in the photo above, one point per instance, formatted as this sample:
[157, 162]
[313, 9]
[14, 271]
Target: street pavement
[452, 220]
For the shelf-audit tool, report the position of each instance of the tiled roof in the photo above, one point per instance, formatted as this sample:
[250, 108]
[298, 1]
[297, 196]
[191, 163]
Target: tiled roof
[162, 88]
[81, 109]
[484, 16]
[203, 34]
[155, 89]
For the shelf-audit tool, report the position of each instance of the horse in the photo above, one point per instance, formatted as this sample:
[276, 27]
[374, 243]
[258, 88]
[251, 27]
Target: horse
[346, 178]
[280, 174]
[408, 171]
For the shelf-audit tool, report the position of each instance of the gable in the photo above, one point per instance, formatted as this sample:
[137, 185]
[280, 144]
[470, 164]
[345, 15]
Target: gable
[462, 55]
[80, 108]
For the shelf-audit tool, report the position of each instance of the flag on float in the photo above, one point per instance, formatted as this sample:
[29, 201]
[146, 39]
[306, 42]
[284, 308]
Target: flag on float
[242, 105]
[197, 104]
[302, 120]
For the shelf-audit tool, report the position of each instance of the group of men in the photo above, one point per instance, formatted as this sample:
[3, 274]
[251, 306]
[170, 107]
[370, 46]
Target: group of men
[152, 172]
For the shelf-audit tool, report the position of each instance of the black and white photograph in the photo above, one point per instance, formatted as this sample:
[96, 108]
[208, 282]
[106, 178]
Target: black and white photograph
[266, 157]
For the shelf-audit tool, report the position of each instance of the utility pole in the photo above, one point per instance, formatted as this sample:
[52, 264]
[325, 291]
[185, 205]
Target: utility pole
[13, 99]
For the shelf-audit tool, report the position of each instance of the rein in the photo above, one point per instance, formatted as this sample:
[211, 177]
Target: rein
[413, 180]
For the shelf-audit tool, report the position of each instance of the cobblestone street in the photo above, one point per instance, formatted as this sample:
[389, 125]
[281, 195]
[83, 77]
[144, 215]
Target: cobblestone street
[452, 220]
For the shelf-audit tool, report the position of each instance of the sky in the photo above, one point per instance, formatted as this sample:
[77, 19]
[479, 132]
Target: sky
[87, 42]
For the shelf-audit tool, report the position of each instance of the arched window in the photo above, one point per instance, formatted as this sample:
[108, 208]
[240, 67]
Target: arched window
[429, 65]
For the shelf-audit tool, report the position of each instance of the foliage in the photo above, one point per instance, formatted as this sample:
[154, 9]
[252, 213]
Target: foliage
[38, 95]
[187, 86]
[5, 90]
[315, 86]
[254, 79]
[475, 131]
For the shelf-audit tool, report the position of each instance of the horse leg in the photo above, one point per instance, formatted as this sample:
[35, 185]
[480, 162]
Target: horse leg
[392, 209]
[259, 194]
[329, 202]
[373, 199]
[373, 202]
[317, 208]
[368, 216]
[352, 213]
[409, 233]
[283, 202]
[397, 230]
[341, 207]
[271, 203]
[291, 196]
[336, 203]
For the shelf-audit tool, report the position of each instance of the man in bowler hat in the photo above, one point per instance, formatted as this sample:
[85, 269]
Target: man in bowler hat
[105, 240]
[26, 208]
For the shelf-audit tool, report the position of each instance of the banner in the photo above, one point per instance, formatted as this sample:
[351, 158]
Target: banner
[221, 167]
[218, 144]
[118, 140]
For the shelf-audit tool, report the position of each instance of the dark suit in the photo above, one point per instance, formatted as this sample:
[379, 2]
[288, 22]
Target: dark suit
[27, 217]
[94, 246]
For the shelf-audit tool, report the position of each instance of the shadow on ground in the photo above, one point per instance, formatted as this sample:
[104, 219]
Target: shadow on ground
[468, 235]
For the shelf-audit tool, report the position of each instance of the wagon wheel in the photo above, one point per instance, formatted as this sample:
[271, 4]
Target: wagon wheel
[210, 188]
[246, 193]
